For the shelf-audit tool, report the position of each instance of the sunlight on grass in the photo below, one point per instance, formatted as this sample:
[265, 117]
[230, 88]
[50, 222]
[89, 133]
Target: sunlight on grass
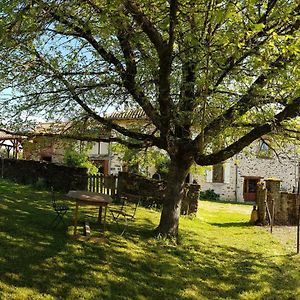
[219, 256]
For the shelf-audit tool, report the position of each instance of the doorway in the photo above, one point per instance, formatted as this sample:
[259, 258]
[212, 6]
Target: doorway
[250, 188]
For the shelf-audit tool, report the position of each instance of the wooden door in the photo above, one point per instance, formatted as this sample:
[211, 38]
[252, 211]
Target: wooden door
[250, 188]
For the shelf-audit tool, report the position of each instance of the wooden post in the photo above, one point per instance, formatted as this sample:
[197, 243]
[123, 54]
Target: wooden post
[298, 229]
[97, 184]
[273, 215]
[101, 183]
[87, 229]
[268, 212]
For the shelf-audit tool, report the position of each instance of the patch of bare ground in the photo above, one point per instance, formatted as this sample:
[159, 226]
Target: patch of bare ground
[286, 235]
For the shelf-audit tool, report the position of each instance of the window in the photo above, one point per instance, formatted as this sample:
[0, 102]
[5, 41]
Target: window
[218, 173]
[250, 185]
[264, 150]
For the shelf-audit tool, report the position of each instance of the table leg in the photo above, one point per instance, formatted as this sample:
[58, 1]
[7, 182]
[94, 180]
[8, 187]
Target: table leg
[100, 215]
[75, 218]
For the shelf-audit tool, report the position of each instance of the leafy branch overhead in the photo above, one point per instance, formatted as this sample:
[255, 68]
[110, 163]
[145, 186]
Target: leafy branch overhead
[199, 70]
[185, 65]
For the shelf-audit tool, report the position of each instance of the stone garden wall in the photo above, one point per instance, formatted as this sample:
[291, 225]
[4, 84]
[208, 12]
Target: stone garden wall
[285, 204]
[152, 191]
[62, 178]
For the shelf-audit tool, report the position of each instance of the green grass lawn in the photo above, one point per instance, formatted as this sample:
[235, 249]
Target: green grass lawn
[219, 256]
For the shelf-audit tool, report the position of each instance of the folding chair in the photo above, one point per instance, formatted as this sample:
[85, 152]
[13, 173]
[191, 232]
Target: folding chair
[60, 209]
[127, 211]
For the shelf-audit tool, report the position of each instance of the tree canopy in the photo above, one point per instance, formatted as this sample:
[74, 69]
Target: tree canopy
[212, 76]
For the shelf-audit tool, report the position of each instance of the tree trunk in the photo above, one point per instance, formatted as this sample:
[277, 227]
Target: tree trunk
[169, 220]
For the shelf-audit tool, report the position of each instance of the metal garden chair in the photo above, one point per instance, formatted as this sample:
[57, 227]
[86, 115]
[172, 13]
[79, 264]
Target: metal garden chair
[60, 209]
[127, 210]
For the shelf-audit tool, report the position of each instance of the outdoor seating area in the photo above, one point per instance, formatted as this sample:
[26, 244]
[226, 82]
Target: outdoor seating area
[121, 212]
[85, 198]
[150, 150]
[39, 261]
[60, 209]
[126, 212]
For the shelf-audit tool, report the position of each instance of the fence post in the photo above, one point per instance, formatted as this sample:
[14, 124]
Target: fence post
[268, 213]
[101, 179]
[298, 229]
[97, 183]
[273, 215]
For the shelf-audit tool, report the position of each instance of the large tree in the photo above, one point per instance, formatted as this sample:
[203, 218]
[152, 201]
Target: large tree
[212, 76]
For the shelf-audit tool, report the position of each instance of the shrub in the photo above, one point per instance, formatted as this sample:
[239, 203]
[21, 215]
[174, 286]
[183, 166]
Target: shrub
[73, 158]
[209, 194]
[40, 183]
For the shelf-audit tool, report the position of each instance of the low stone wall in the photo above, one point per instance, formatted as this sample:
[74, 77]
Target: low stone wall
[286, 209]
[62, 178]
[152, 191]
[285, 204]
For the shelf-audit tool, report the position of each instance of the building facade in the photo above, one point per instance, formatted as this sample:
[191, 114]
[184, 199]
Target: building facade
[236, 179]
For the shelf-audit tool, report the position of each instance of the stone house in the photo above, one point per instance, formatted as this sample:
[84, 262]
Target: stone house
[53, 149]
[233, 180]
[236, 179]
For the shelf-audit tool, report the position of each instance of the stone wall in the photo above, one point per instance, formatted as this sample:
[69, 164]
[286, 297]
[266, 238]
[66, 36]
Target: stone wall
[284, 169]
[290, 203]
[285, 204]
[152, 191]
[62, 178]
[249, 163]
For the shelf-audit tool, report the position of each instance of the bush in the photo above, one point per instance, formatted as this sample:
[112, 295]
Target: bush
[41, 183]
[73, 158]
[209, 195]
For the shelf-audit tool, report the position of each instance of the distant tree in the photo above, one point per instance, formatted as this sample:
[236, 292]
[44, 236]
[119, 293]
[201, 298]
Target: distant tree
[140, 161]
[202, 71]
[75, 158]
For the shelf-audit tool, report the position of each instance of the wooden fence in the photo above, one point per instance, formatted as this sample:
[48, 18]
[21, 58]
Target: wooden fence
[102, 184]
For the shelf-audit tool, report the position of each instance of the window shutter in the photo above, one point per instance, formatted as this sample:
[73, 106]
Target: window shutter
[227, 173]
[208, 175]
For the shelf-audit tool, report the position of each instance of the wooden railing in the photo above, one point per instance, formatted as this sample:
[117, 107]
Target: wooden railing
[102, 184]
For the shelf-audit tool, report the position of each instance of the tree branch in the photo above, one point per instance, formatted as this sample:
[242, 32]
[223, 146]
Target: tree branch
[164, 51]
[84, 138]
[149, 29]
[127, 76]
[108, 123]
[290, 111]
[85, 33]
[254, 43]
[246, 102]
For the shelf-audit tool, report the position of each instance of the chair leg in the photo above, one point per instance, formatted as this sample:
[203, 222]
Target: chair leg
[55, 221]
[115, 217]
[126, 224]
[58, 219]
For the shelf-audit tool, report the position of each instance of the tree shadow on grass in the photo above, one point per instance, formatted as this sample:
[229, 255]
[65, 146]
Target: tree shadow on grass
[179, 273]
[231, 224]
[202, 272]
[132, 266]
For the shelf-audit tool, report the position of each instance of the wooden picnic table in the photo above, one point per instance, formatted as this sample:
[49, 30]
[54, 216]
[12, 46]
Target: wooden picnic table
[92, 199]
